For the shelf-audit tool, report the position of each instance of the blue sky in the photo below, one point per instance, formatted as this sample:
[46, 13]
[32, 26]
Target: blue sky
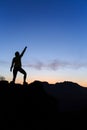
[54, 32]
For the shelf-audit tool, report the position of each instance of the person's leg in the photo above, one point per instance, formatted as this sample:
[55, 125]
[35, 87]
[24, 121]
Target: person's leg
[24, 73]
[14, 74]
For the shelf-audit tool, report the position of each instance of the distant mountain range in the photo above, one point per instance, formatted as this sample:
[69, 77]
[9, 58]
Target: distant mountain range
[71, 96]
[59, 103]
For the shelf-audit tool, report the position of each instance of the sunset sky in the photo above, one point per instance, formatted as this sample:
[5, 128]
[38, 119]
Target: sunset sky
[55, 32]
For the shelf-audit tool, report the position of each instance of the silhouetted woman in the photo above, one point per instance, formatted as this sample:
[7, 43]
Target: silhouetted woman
[17, 66]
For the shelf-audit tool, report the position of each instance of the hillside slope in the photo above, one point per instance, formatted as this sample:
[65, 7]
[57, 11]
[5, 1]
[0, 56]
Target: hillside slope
[42, 105]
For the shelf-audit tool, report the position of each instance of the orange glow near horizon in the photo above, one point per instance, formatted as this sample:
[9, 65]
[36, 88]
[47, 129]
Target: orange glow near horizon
[50, 81]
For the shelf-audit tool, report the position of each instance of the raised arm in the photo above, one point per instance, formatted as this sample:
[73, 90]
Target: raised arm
[23, 51]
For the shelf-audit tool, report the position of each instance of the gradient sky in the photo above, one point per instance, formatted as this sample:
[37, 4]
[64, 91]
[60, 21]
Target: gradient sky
[55, 32]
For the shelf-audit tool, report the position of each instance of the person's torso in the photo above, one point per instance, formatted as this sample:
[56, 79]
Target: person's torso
[17, 62]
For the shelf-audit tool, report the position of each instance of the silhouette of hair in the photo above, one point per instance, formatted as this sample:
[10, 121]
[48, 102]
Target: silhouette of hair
[16, 53]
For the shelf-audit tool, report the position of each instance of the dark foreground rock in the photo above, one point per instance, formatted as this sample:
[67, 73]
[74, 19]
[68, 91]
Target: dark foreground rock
[30, 106]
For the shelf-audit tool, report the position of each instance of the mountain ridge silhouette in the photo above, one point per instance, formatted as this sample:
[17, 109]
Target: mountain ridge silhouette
[53, 104]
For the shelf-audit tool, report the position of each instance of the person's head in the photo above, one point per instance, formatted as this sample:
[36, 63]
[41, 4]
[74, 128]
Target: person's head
[17, 54]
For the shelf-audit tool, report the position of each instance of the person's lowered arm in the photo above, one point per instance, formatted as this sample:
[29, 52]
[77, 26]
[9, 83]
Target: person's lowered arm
[12, 65]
